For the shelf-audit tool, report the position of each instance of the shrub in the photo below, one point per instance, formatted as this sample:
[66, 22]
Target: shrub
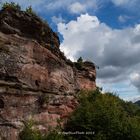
[79, 63]
[29, 133]
[109, 117]
[53, 135]
[11, 5]
[80, 60]
[29, 10]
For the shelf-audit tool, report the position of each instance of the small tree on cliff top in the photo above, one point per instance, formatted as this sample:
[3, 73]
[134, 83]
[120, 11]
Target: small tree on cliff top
[79, 63]
[80, 60]
[29, 10]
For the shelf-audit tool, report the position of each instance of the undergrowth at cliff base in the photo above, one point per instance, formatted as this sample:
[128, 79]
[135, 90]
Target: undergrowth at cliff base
[99, 117]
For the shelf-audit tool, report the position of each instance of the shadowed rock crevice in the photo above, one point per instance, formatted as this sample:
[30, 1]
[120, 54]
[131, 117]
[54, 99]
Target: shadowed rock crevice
[1, 103]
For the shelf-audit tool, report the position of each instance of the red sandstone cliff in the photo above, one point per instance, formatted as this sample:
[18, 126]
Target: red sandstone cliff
[36, 80]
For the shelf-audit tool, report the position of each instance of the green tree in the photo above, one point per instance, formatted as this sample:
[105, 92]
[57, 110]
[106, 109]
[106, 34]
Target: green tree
[109, 117]
[80, 60]
[29, 10]
[79, 63]
[28, 133]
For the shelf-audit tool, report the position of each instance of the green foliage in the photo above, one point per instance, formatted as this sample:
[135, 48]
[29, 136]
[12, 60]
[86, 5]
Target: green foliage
[79, 63]
[11, 5]
[80, 60]
[29, 133]
[53, 135]
[109, 117]
[16, 6]
[29, 10]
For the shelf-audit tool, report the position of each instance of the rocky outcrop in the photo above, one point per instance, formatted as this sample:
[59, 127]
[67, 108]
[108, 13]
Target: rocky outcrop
[37, 82]
[13, 21]
[86, 76]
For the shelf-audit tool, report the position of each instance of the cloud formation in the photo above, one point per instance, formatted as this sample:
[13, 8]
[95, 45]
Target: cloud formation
[116, 51]
[124, 18]
[76, 6]
[71, 6]
[58, 19]
[135, 79]
[121, 2]
[131, 5]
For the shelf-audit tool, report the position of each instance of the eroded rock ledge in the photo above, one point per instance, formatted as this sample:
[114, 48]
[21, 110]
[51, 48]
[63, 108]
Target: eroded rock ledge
[36, 81]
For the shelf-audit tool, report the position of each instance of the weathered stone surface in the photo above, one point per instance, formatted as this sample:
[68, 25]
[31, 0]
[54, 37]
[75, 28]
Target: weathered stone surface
[86, 76]
[13, 21]
[36, 82]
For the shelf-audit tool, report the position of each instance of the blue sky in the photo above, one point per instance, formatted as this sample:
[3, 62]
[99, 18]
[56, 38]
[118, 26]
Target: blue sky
[106, 32]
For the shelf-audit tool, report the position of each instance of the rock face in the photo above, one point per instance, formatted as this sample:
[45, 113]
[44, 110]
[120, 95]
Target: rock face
[13, 21]
[37, 82]
[86, 76]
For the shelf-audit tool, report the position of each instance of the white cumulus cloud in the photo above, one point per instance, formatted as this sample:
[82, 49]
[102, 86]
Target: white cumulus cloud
[116, 51]
[74, 30]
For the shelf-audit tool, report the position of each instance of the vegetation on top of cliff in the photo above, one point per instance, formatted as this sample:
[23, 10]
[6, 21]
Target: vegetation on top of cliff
[79, 63]
[82, 65]
[16, 6]
[100, 117]
[29, 10]
[11, 5]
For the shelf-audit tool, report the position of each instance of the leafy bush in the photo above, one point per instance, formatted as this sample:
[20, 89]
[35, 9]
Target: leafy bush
[16, 6]
[53, 135]
[79, 63]
[109, 117]
[11, 5]
[29, 133]
[29, 10]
